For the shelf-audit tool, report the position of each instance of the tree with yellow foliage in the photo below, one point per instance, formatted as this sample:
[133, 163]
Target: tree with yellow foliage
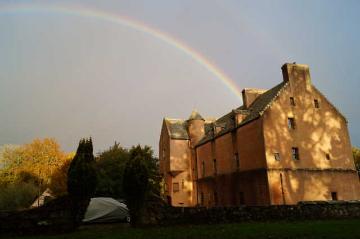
[32, 164]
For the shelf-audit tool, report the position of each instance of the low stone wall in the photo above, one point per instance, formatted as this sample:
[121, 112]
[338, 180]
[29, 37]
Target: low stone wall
[54, 217]
[301, 211]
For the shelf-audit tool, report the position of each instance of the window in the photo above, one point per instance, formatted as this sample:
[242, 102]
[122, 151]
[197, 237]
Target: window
[163, 154]
[202, 198]
[334, 196]
[183, 184]
[327, 156]
[237, 161]
[292, 101]
[176, 187]
[316, 104]
[215, 166]
[277, 156]
[215, 198]
[295, 153]
[203, 168]
[291, 123]
[241, 198]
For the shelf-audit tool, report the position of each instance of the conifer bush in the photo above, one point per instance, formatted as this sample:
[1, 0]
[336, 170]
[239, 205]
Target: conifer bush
[135, 186]
[82, 178]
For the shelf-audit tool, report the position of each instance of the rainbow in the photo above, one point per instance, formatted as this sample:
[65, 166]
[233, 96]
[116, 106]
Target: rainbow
[129, 23]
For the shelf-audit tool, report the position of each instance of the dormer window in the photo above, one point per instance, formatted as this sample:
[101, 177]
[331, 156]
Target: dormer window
[316, 104]
[292, 101]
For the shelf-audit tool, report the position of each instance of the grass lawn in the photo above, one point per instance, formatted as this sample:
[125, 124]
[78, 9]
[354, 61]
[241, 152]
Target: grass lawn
[304, 229]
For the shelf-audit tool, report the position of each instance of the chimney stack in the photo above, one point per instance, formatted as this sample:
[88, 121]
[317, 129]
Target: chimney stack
[250, 95]
[296, 73]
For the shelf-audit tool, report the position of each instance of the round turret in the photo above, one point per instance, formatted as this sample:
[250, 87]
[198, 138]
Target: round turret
[195, 127]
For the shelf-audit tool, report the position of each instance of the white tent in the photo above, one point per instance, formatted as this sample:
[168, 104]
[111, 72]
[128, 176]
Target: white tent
[43, 198]
[104, 209]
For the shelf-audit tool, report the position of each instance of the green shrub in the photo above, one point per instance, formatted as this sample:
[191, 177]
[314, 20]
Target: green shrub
[19, 195]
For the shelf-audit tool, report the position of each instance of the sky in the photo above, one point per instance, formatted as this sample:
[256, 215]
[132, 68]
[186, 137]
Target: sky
[70, 75]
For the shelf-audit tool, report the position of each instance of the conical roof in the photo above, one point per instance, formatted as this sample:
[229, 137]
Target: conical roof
[195, 116]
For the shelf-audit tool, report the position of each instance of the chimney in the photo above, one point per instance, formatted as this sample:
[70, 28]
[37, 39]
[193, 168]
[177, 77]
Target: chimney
[297, 74]
[250, 95]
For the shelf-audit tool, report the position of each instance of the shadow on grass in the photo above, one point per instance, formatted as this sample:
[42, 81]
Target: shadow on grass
[302, 229]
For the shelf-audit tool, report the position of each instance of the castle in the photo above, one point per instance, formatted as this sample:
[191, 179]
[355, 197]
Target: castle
[282, 146]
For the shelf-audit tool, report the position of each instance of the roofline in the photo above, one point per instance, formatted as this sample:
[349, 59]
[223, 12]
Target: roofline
[223, 133]
[331, 104]
[261, 113]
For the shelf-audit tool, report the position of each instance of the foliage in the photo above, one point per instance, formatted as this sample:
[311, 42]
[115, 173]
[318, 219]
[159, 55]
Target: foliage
[136, 181]
[110, 165]
[356, 155]
[26, 171]
[152, 164]
[18, 195]
[58, 180]
[81, 177]
[39, 158]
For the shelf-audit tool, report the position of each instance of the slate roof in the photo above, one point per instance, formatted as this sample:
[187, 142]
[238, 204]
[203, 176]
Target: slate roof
[255, 110]
[177, 128]
[258, 107]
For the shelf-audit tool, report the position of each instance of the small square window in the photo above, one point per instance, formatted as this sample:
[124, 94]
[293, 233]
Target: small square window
[295, 153]
[316, 104]
[292, 101]
[277, 156]
[327, 156]
[291, 123]
[334, 196]
[176, 187]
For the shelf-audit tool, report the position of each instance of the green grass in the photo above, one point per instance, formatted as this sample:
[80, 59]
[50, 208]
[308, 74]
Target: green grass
[305, 229]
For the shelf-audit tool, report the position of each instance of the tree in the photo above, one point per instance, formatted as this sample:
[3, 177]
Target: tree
[40, 158]
[110, 165]
[81, 177]
[356, 155]
[135, 185]
[58, 180]
[25, 167]
[152, 164]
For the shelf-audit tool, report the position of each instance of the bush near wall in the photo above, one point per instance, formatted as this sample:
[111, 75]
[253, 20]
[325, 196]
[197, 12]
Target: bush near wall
[53, 217]
[301, 211]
